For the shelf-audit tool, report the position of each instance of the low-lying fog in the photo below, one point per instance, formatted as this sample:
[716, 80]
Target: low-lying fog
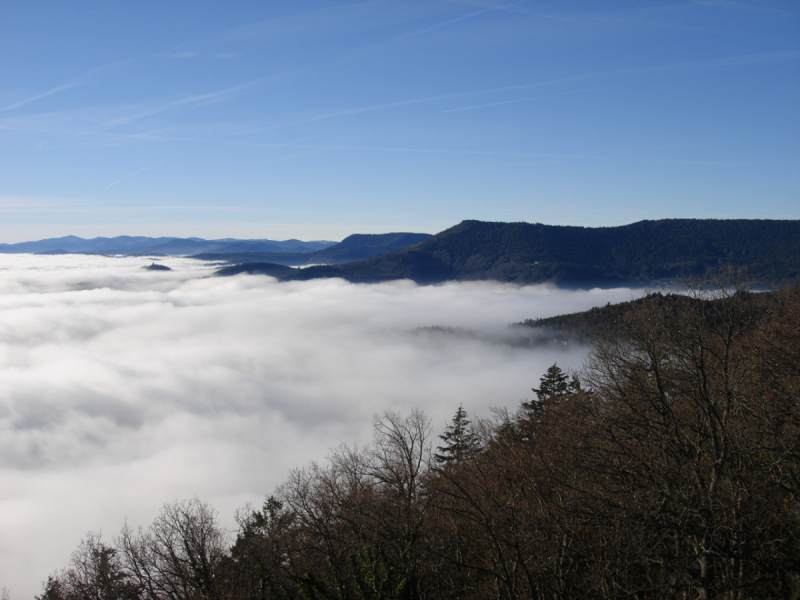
[122, 388]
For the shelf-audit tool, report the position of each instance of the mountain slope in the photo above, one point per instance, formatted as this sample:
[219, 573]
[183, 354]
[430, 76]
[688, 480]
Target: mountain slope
[360, 246]
[643, 252]
[354, 247]
[610, 320]
[253, 268]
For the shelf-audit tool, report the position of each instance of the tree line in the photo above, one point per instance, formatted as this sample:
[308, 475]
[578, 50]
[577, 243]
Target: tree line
[667, 467]
[644, 252]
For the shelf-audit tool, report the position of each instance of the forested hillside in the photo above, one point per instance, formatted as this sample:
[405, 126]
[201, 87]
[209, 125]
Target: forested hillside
[643, 252]
[669, 467]
[586, 327]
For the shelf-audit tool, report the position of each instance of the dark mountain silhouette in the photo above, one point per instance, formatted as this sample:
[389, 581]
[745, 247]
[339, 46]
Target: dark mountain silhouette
[290, 259]
[253, 268]
[602, 321]
[53, 252]
[157, 267]
[288, 252]
[647, 252]
[360, 246]
[354, 247]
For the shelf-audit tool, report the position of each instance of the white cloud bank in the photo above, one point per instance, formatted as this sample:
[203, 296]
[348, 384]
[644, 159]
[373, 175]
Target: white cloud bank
[121, 388]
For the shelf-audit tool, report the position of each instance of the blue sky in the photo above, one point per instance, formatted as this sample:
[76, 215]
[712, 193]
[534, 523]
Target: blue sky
[315, 120]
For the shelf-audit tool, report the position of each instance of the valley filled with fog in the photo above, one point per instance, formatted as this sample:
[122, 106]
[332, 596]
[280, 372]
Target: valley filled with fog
[123, 388]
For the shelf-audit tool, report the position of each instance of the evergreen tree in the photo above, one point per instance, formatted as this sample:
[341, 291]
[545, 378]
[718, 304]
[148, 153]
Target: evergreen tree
[554, 386]
[458, 439]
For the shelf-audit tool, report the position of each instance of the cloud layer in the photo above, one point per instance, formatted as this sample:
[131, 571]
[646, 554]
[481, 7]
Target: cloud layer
[121, 388]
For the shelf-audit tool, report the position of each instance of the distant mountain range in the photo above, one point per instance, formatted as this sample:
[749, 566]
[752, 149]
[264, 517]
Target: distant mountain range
[647, 252]
[354, 247]
[163, 246]
[643, 253]
[288, 253]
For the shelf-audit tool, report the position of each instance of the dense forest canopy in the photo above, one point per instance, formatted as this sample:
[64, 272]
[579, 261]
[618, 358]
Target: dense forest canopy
[668, 467]
[647, 251]
[587, 326]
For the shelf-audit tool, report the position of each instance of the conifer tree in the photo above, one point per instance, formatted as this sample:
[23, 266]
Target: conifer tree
[458, 439]
[555, 385]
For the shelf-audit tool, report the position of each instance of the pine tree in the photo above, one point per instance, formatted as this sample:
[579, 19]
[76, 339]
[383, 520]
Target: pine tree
[459, 440]
[555, 385]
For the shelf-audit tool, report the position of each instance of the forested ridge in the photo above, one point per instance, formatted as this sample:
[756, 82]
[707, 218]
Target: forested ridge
[643, 252]
[353, 247]
[667, 467]
[608, 320]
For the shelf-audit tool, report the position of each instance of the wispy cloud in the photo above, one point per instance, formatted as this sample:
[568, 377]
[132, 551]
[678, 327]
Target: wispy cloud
[427, 29]
[195, 99]
[341, 16]
[22, 206]
[185, 54]
[129, 175]
[77, 82]
[741, 60]
[449, 22]
[61, 88]
[515, 100]
[762, 7]
[30, 204]
[540, 155]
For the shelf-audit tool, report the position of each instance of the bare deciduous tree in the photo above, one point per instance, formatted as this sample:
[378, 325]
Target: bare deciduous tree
[96, 572]
[177, 556]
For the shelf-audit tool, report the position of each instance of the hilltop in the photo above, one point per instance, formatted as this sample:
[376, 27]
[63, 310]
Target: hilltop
[354, 247]
[642, 253]
[610, 320]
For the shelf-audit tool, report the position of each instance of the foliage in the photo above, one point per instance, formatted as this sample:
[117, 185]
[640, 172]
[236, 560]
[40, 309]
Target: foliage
[458, 440]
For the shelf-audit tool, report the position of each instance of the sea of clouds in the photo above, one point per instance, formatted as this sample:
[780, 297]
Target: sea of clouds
[123, 388]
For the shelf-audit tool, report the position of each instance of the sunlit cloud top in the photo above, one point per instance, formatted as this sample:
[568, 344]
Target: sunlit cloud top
[123, 388]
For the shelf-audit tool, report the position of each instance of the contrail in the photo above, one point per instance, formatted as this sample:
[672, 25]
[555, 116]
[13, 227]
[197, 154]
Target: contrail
[135, 173]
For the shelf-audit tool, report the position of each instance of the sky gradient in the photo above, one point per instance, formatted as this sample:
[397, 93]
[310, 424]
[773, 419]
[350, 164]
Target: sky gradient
[314, 120]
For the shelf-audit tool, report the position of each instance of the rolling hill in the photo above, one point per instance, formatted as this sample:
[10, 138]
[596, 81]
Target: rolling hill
[170, 246]
[646, 252]
[354, 247]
